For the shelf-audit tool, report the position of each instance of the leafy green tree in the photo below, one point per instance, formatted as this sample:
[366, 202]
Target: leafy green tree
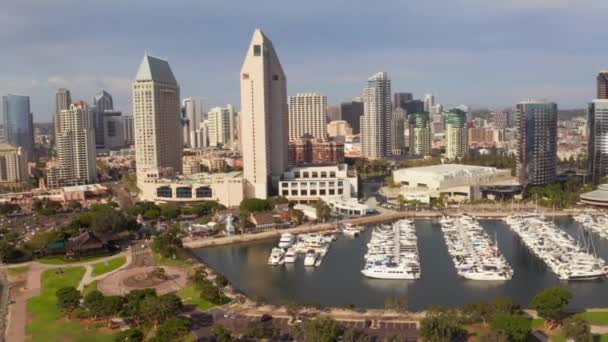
[504, 305]
[477, 312]
[170, 210]
[68, 299]
[94, 301]
[173, 329]
[262, 330]
[255, 204]
[550, 303]
[516, 328]
[440, 325]
[322, 329]
[167, 244]
[39, 241]
[354, 335]
[8, 208]
[131, 335]
[577, 329]
[221, 334]
[211, 293]
[323, 211]
[220, 281]
[131, 309]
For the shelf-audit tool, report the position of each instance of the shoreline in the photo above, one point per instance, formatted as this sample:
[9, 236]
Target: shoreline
[373, 219]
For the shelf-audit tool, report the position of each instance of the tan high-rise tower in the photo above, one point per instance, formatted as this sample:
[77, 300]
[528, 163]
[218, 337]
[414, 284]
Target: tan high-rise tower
[307, 115]
[156, 112]
[263, 118]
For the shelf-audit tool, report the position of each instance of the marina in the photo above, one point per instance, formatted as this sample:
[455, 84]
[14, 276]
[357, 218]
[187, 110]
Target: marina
[567, 258]
[597, 225]
[392, 252]
[474, 255]
[313, 246]
[338, 281]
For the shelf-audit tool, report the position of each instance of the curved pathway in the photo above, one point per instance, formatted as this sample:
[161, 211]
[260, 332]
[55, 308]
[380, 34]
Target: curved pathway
[17, 313]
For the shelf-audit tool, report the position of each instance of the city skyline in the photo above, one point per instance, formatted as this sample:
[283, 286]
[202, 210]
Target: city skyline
[521, 64]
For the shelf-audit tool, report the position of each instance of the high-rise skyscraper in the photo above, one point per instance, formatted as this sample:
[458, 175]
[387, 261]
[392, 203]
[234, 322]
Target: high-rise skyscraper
[602, 85]
[307, 115]
[597, 123]
[192, 118]
[102, 102]
[457, 144]
[17, 124]
[156, 113]
[221, 126]
[63, 100]
[376, 119]
[401, 99]
[397, 131]
[429, 102]
[420, 134]
[264, 118]
[13, 165]
[351, 112]
[537, 142]
[75, 146]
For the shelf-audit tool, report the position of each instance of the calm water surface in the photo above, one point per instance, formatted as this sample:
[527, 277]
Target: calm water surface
[339, 282]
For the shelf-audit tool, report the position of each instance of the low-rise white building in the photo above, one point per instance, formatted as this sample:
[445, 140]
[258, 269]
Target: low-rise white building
[456, 182]
[310, 183]
[225, 188]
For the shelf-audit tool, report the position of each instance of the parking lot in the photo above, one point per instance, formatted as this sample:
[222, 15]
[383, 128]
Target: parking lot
[238, 324]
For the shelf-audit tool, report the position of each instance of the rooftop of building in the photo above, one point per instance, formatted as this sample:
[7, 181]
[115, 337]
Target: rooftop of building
[598, 196]
[155, 69]
[452, 171]
[87, 187]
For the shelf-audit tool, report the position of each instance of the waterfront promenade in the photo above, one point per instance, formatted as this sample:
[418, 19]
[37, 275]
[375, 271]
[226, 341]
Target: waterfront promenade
[479, 212]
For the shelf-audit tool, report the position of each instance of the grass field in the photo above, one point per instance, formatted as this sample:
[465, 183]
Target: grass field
[47, 324]
[595, 317]
[108, 266]
[190, 295]
[60, 260]
[89, 288]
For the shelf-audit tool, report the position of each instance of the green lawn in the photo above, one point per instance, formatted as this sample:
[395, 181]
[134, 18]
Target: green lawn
[190, 295]
[537, 323]
[46, 321]
[15, 271]
[595, 317]
[108, 266]
[89, 288]
[61, 260]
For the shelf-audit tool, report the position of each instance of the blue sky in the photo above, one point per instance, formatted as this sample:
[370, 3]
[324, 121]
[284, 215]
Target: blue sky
[483, 53]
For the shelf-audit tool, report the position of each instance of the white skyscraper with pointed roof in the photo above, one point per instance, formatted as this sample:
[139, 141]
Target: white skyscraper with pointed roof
[264, 117]
[157, 120]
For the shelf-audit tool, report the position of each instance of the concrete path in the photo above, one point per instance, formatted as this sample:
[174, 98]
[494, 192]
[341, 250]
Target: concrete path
[88, 274]
[17, 314]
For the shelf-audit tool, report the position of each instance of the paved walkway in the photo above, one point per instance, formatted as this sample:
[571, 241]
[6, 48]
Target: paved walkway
[88, 274]
[17, 314]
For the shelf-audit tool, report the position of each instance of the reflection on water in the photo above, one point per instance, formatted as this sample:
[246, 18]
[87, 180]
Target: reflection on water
[339, 282]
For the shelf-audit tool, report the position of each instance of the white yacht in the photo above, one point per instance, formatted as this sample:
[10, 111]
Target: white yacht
[350, 230]
[311, 258]
[276, 256]
[290, 256]
[392, 252]
[287, 240]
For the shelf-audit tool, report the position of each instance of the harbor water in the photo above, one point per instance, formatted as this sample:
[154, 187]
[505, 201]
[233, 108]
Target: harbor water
[339, 282]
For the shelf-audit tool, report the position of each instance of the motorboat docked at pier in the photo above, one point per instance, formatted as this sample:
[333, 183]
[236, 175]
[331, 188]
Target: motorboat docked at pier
[311, 258]
[350, 230]
[277, 256]
[567, 258]
[474, 254]
[287, 240]
[597, 225]
[392, 252]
